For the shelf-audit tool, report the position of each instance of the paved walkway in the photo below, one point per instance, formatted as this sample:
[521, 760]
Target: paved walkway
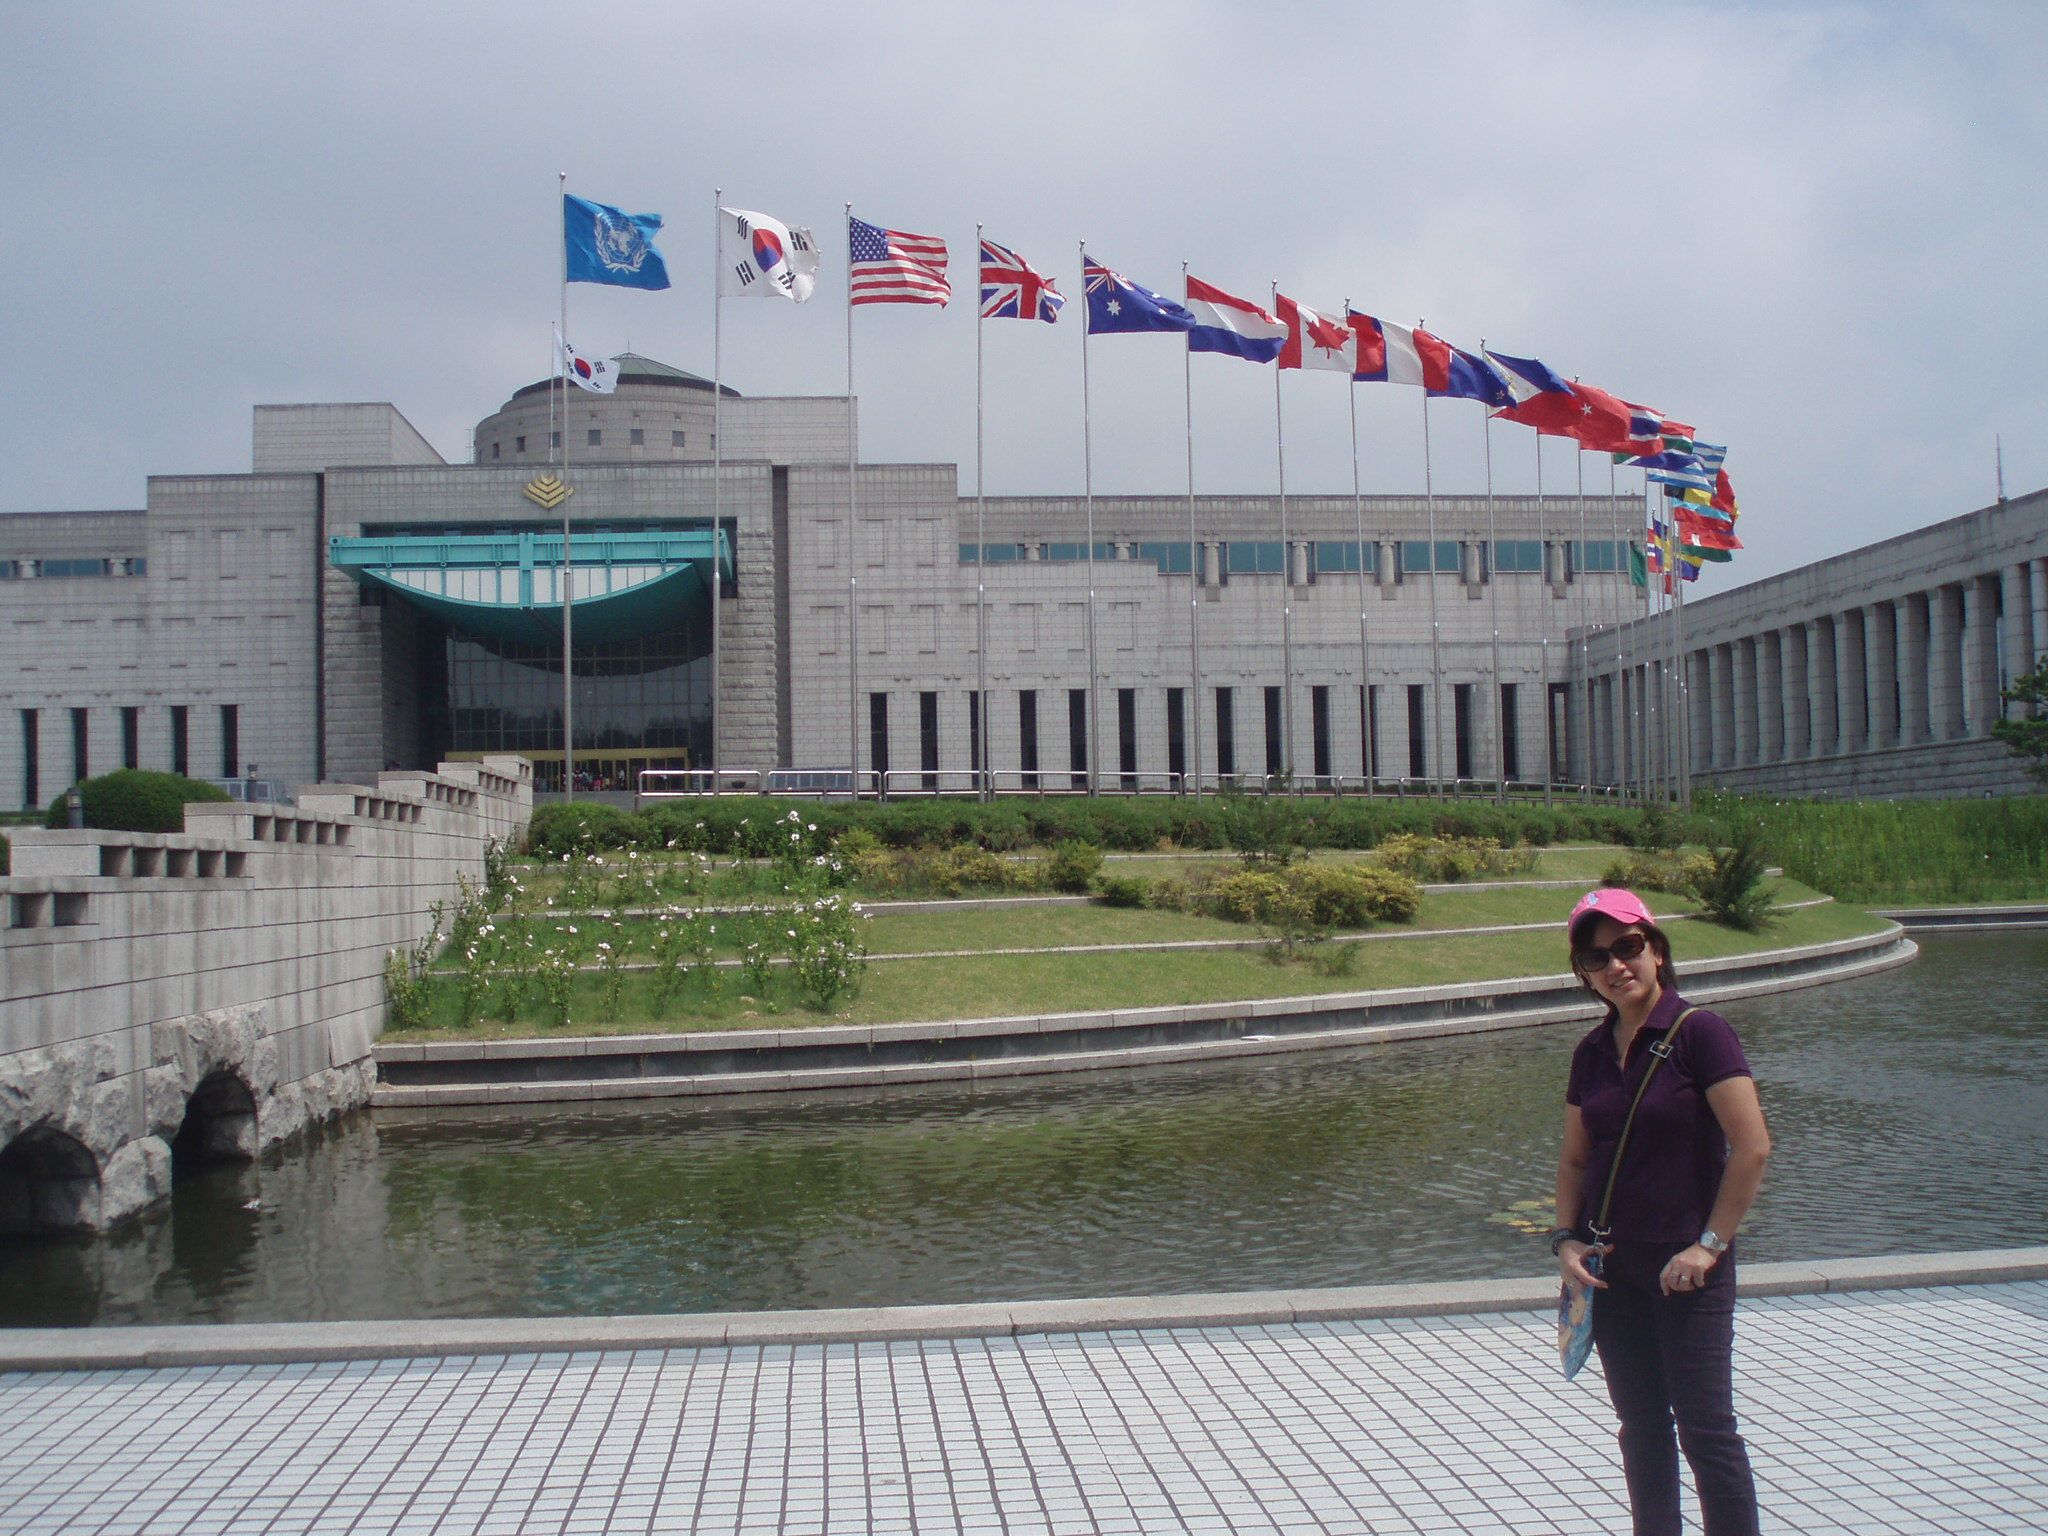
[1874, 1412]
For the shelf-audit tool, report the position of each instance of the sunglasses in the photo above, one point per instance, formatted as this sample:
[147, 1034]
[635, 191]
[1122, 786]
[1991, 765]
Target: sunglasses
[1624, 949]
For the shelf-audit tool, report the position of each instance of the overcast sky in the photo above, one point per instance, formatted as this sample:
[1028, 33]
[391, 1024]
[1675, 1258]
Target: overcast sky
[1815, 230]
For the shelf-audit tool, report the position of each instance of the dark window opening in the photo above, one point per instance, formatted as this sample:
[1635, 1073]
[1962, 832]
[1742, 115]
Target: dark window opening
[31, 752]
[1510, 735]
[1369, 727]
[878, 732]
[1027, 735]
[1559, 699]
[928, 738]
[1275, 754]
[230, 741]
[1077, 736]
[1418, 761]
[131, 736]
[1176, 733]
[1461, 727]
[1319, 724]
[595, 438]
[81, 766]
[1226, 733]
[675, 439]
[1127, 737]
[181, 740]
[974, 731]
[637, 437]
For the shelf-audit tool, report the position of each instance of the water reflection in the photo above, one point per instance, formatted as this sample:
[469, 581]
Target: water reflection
[1910, 1112]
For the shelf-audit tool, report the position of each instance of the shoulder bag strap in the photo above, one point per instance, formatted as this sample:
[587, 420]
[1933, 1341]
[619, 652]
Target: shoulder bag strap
[1659, 1050]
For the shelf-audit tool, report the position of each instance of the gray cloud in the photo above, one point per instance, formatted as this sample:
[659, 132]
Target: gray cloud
[1807, 228]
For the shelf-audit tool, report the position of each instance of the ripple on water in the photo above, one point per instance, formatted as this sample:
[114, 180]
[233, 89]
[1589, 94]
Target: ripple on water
[1910, 1112]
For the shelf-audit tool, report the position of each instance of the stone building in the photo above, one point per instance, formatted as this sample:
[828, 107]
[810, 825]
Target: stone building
[356, 603]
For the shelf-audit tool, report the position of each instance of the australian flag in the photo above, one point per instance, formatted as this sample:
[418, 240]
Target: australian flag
[1115, 303]
[607, 245]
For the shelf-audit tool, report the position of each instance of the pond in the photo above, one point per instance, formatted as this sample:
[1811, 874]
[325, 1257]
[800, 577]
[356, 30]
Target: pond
[1910, 1112]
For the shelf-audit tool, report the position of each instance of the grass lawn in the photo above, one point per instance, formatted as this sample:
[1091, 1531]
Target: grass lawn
[1001, 985]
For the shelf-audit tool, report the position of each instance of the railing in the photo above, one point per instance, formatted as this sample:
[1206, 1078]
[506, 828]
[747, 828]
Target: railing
[1043, 783]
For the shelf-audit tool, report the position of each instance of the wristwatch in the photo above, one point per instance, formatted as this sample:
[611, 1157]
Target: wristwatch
[1713, 1241]
[1559, 1236]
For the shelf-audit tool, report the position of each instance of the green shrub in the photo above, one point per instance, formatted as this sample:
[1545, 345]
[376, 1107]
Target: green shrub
[965, 867]
[1123, 890]
[135, 800]
[1679, 873]
[1450, 859]
[580, 826]
[6, 855]
[1305, 900]
[1732, 887]
[1072, 866]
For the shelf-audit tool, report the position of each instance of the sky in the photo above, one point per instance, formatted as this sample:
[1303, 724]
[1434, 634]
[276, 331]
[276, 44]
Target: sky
[1812, 230]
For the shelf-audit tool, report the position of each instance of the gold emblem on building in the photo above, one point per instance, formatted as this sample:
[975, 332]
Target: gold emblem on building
[547, 491]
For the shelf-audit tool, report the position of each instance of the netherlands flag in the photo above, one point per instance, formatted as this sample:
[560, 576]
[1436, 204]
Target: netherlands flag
[1226, 323]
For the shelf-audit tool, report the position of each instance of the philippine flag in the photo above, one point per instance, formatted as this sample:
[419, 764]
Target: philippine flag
[759, 254]
[1226, 323]
[1314, 340]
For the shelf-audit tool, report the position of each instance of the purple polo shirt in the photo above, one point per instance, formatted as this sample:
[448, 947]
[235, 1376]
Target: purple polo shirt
[1677, 1151]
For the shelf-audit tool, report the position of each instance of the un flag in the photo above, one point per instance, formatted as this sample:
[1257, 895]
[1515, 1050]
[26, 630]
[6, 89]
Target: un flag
[606, 245]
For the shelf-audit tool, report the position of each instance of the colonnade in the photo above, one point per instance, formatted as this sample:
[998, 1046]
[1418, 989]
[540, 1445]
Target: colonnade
[1917, 667]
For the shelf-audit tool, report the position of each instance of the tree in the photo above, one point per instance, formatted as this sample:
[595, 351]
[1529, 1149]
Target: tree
[2028, 737]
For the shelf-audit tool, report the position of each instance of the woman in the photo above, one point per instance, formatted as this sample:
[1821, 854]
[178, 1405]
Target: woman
[1664, 1320]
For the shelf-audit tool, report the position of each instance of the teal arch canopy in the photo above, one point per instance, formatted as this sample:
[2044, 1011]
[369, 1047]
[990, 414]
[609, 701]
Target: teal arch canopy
[508, 586]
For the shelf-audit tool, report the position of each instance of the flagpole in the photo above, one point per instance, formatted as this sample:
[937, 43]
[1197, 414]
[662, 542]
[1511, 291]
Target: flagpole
[1648, 649]
[1500, 744]
[1436, 665]
[1620, 602]
[1543, 626]
[1191, 717]
[568, 616]
[1681, 681]
[1585, 623]
[1088, 496]
[981, 783]
[717, 449]
[852, 546]
[1286, 582]
[1365, 720]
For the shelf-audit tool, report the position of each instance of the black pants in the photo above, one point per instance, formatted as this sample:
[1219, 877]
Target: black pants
[1671, 1358]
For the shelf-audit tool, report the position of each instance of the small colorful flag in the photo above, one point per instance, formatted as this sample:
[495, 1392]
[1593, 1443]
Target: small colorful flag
[1527, 377]
[1314, 340]
[757, 254]
[595, 374]
[1010, 290]
[893, 266]
[1116, 304]
[1638, 566]
[1394, 354]
[603, 244]
[1225, 323]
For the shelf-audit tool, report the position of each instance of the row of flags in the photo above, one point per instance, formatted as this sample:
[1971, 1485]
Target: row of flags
[759, 254]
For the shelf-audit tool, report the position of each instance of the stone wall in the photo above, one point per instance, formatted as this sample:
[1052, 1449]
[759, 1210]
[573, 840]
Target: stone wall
[217, 989]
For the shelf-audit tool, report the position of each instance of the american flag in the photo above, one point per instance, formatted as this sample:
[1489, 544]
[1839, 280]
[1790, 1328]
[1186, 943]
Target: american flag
[1010, 290]
[893, 266]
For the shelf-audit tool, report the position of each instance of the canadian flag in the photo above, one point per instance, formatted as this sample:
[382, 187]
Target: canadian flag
[595, 374]
[1315, 340]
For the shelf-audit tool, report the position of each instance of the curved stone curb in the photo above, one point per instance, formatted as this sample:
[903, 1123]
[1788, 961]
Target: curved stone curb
[2033, 914]
[74, 1349]
[596, 1068]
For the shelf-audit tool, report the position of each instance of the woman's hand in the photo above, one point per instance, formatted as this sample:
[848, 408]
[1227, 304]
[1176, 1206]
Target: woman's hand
[1571, 1259]
[1687, 1270]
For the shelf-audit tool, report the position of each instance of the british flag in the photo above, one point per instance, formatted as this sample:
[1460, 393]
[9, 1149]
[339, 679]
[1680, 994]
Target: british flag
[1010, 290]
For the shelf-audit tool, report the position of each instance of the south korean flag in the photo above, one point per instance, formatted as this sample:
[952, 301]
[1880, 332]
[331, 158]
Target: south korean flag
[760, 255]
[598, 375]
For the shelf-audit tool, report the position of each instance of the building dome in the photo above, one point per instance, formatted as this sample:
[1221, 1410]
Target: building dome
[658, 414]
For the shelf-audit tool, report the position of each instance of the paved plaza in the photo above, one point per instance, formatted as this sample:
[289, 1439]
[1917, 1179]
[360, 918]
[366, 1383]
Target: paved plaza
[1901, 1411]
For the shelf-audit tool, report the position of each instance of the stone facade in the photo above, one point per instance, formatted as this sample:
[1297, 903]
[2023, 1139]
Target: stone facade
[1874, 673]
[226, 982]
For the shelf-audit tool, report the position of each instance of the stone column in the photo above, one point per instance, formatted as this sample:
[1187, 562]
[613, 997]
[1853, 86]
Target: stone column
[1717, 684]
[1978, 654]
[1770, 696]
[1852, 718]
[1727, 745]
[1944, 663]
[2037, 585]
[1916, 687]
[1743, 740]
[2015, 634]
[1820, 687]
[1699, 700]
[1881, 675]
[1792, 691]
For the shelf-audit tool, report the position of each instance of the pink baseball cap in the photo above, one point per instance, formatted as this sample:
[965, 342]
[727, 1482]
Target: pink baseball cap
[1624, 906]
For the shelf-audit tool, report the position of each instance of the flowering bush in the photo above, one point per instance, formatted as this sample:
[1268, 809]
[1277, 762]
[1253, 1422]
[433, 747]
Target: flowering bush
[826, 954]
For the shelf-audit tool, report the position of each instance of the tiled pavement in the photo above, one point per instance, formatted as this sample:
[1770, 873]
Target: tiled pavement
[1868, 1412]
